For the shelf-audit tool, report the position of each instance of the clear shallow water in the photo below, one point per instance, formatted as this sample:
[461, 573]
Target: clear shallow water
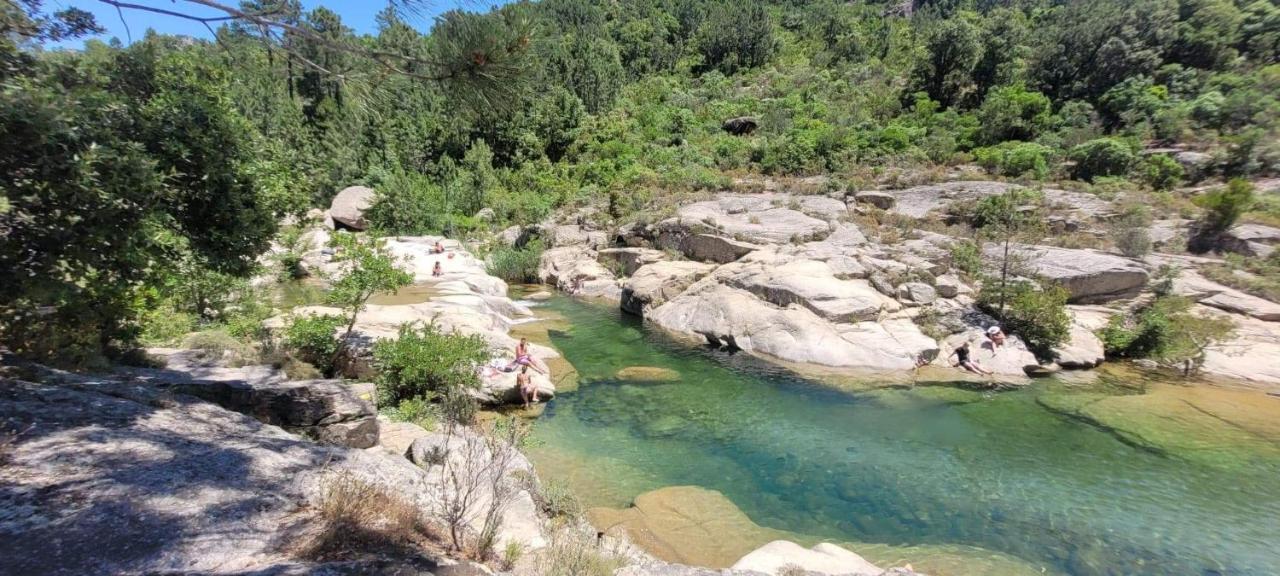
[930, 465]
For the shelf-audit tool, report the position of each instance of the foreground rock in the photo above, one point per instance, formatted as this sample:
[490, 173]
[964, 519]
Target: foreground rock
[347, 208]
[329, 411]
[115, 478]
[774, 557]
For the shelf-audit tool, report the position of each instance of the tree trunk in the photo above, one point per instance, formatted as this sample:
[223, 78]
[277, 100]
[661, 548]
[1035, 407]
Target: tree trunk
[1004, 277]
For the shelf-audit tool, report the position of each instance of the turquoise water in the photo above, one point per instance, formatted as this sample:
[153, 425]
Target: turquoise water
[928, 465]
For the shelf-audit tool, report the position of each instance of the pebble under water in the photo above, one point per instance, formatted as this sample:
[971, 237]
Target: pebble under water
[1014, 472]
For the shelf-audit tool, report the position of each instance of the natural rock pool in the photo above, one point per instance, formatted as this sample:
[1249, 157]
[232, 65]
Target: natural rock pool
[1119, 476]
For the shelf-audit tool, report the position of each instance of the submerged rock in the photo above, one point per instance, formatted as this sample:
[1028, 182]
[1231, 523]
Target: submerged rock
[648, 373]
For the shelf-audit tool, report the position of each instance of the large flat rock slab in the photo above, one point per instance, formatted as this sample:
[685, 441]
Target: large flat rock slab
[1091, 277]
[761, 218]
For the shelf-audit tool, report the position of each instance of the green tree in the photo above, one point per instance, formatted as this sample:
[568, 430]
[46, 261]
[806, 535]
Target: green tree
[735, 36]
[365, 268]
[1222, 208]
[1100, 158]
[952, 48]
[1005, 217]
[1014, 113]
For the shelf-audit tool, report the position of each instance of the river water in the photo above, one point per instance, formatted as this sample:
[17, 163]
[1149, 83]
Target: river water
[1114, 477]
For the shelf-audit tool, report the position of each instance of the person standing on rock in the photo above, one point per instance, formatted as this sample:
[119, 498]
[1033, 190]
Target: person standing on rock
[528, 391]
[963, 360]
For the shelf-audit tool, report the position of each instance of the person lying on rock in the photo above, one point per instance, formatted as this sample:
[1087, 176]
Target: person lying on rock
[523, 358]
[963, 360]
[437, 270]
[528, 390]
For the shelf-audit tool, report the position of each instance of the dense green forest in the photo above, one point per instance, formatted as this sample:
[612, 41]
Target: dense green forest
[144, 181]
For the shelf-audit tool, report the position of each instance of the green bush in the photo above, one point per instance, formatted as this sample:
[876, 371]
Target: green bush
[1224, 206]
[1014, 113]
[1165, 330]
[1101, 157]
[426, 363]
[1038, 314]
[966, 256]
[418, 410]
[516, 264]
[163, 325]
[1162, 172]
[1015, 159]
[1130, 231]
[313, 340]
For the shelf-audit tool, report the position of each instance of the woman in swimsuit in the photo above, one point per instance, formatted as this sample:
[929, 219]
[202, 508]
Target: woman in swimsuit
[523, 358]
[963, 360]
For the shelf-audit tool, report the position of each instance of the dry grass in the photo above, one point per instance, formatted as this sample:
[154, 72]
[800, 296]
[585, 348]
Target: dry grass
[574, 552]
[791, 570]
[357, 517]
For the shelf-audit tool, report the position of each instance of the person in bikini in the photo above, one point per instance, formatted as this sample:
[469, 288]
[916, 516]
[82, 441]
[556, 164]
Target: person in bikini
[523, 358]
[963, 360]
[528, 390]
[437, 270]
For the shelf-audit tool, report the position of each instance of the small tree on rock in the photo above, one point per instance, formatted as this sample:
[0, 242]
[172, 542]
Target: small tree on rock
[367, 270]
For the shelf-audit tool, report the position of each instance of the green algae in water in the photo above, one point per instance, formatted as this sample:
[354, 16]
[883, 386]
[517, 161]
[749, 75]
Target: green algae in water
[929, 466]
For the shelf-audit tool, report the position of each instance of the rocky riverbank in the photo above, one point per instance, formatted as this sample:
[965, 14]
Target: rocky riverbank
[815, 281]
[203, 467]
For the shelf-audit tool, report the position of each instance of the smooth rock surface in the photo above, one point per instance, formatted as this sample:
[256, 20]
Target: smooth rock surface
[654, 284]
[349, 205]
[1090, 277]
[575, 270]
[823, 558]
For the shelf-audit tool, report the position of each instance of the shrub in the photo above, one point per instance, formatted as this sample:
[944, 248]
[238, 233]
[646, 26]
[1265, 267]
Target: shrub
[419, 410]
[164, 325]
[357, 515]
[966, 256]
[1038, 314]
[1162, 172]
[219, 345]
[313, 340]
[1101, 157]
[516, 264]
[558, 501]
[1223, 207]
[575, 552]
[1130, 231]
[1015, 159]
[1165, 330]
[426, 363]
[1014, 113]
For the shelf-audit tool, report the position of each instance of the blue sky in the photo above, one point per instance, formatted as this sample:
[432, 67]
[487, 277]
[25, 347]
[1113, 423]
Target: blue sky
[357, 14]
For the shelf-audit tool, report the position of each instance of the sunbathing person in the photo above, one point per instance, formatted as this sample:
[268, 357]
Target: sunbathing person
[523, 358]
[966, 362]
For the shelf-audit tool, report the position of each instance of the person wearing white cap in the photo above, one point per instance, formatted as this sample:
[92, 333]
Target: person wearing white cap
[996, 336]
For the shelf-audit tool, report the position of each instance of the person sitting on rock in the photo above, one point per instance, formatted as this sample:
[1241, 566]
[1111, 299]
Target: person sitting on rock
[523, 358]
[528, 390]
[964, 361]
[437, 270]
[997, 337]
[438, 248]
